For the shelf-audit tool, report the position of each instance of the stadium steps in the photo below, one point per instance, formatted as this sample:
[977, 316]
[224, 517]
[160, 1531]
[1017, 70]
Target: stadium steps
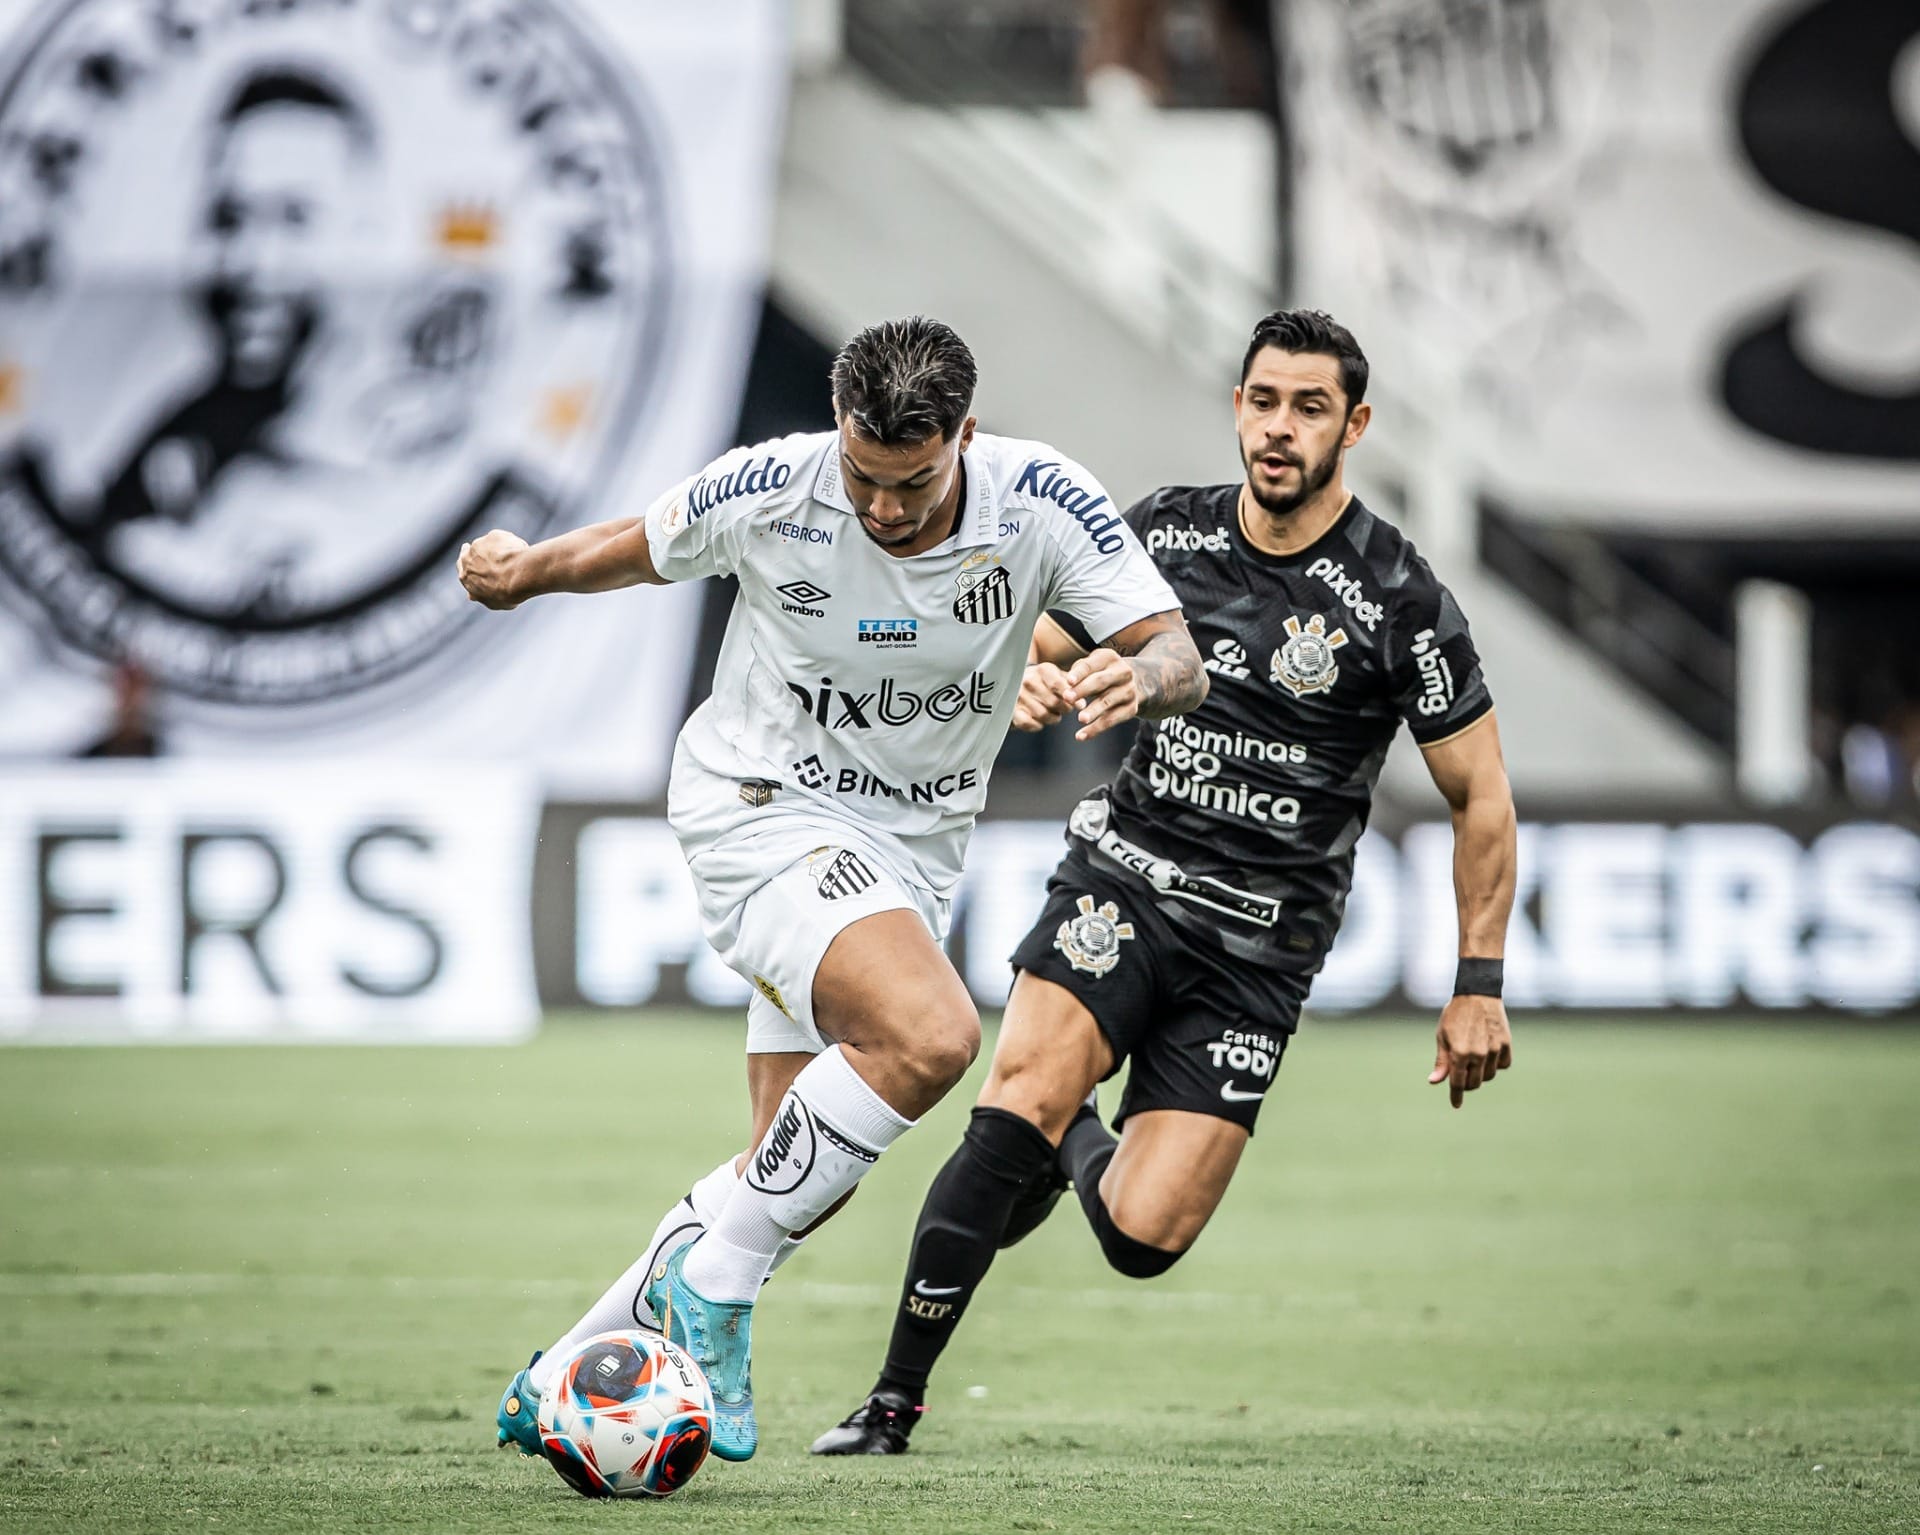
[1004, 223]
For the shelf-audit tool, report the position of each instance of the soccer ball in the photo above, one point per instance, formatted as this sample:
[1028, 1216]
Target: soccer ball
[628, 1415]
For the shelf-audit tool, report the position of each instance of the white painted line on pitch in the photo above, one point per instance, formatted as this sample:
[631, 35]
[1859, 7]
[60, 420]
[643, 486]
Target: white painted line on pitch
[298, 1284]
[458, 1286]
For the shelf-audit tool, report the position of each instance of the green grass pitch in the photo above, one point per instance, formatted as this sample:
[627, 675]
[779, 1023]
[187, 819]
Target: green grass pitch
[1662, 1277]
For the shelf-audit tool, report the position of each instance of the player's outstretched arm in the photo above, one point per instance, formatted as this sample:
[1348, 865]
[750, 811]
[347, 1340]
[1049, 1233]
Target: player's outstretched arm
[1149, 670]
[501, 570]
[1473, 1040]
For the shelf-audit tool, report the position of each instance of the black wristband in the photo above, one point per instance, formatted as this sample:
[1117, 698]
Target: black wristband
[1478, 978]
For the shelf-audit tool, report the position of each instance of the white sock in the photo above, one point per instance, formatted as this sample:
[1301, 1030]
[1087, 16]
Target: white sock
[829, 1129]
[710, 1196]
[623, 1304]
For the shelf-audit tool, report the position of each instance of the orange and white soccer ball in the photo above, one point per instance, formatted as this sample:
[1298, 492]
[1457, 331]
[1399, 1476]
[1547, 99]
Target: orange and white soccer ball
[627, 1415]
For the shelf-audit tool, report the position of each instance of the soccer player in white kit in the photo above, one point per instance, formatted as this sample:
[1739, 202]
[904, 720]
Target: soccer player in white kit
[890, 573]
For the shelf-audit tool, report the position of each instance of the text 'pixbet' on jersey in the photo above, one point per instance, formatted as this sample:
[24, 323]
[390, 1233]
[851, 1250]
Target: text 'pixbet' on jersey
[839, 709]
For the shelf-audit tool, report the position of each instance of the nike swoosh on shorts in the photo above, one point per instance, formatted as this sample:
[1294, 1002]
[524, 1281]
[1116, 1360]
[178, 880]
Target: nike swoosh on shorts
[1233, 1094]
[921, 1287]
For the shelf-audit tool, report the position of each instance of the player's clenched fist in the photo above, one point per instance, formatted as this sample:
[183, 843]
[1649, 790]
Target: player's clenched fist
[1104, 688]
[487, 569]
[1043, 699]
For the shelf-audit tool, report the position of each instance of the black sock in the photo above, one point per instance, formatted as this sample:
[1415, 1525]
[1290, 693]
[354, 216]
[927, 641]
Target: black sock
[960, 1226]
[1084, 1154]
[1128, 1255]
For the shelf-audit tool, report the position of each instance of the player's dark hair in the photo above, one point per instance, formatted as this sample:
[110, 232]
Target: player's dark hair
[280, 85]
[903, 382]
[1311, 330]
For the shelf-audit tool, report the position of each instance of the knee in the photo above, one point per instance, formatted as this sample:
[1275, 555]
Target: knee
[940, 1052]
[1129, 1255]
[1043, 1094]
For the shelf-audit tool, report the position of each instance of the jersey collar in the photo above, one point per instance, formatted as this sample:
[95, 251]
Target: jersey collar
[828, 487]
[979, 519]
[1244, 546]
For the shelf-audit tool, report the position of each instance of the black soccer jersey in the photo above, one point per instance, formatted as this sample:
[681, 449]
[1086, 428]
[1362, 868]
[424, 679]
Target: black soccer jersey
[1314, 659]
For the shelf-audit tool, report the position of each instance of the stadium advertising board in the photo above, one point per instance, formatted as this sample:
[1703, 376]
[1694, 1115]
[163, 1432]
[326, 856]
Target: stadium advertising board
[239, 902]
[296, 298]
[1611, 916]
[426, 902]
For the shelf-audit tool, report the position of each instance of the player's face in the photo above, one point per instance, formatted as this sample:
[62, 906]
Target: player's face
[280, 187]
[897, 491]
[1294, 426]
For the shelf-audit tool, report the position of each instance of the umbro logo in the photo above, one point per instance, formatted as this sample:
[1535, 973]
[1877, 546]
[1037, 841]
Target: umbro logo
[802, 597]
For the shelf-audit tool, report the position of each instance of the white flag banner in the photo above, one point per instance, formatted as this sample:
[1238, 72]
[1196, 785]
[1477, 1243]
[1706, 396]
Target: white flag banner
[227, 901]
[296, 298]
[1634, 259]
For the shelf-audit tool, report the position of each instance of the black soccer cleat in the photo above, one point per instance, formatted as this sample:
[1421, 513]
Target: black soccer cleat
[880, 1427]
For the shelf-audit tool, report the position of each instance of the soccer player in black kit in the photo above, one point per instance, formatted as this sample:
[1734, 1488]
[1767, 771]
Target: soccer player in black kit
[1202, 890]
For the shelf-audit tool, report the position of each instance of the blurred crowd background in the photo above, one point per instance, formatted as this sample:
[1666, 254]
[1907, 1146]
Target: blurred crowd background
[297, 296]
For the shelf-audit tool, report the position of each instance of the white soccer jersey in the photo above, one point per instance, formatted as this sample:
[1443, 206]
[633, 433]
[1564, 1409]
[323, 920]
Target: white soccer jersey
[877, 687]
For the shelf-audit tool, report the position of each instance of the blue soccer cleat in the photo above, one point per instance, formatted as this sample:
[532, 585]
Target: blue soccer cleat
[719, 1336]
[519, 1416]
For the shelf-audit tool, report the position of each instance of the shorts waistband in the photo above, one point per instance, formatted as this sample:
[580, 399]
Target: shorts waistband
[1089, 823]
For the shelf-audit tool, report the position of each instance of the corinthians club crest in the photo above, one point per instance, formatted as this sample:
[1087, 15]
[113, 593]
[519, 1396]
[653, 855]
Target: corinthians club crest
[1305, 662]
[294, 299]
[1091, 941]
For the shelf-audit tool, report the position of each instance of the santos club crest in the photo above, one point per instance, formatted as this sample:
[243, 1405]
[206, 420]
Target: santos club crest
[1305, 662]
[295, 298]
[986, 591]
[1091, 941]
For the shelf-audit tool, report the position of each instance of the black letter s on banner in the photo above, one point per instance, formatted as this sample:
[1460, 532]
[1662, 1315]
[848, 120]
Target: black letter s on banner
[1817, 118]
[434, 954]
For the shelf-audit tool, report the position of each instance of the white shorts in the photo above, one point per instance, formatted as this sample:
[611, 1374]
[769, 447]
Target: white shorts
[777, 884]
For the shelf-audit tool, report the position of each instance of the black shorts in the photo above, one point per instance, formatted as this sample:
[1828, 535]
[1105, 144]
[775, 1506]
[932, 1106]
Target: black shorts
[1205, 1030]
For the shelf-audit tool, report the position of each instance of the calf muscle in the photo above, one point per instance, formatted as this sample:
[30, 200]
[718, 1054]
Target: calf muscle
[1169, 1174]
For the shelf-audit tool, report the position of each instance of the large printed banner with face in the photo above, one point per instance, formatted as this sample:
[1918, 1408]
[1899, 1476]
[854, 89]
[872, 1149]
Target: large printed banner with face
[1609, 916]
[296, 297]
[1634, 258]
[229, 901]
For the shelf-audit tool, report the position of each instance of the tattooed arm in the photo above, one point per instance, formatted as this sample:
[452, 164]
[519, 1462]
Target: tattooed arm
[1149, 670]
